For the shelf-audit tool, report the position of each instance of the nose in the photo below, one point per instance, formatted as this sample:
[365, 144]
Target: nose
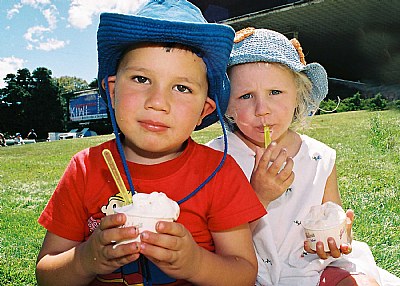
[157, 99]
[262, 107]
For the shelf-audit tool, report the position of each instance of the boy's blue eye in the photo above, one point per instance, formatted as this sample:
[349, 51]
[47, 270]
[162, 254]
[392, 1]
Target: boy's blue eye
[246, 96]
[182, 88]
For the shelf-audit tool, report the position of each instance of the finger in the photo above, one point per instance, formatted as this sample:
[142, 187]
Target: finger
[279, 162]
[172, 228]
[112, 221]
[350, 215]
[118, 234]
[121, 250]
[320, 250]
[308, 248]
[287, 170]
[265, 157]
[288, 182]
[334, 251]
[346, 248]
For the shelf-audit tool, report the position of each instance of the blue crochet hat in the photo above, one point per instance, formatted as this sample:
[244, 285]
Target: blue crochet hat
[169, 21]
[263, 45]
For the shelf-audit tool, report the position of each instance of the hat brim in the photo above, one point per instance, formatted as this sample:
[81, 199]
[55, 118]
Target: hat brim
[213, 41]
[314, 71]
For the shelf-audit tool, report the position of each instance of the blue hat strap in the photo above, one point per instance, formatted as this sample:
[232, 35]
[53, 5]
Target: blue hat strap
[117, 138]
[220, 163]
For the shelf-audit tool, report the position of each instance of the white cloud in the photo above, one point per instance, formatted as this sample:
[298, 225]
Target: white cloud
[36, 3]
[14, 10]
[9, 65]
[35, 34]
[37, 40]
[81, 12]
[51, 44]
[50, 15]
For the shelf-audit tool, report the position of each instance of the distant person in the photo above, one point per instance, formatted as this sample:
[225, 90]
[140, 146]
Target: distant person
[32, 135]
[273, 89]
[163, 72]
[18, 139]
[3, 142]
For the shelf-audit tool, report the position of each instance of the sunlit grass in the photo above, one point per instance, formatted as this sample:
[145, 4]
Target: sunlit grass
[367, 171]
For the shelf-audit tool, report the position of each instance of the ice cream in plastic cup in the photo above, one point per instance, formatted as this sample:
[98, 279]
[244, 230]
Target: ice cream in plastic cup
[323, 221]
[146, 210]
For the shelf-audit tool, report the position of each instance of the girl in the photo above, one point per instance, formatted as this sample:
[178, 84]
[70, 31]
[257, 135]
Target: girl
[273, 90]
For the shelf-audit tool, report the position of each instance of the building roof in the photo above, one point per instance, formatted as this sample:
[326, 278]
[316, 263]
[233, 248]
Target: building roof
[356, 40]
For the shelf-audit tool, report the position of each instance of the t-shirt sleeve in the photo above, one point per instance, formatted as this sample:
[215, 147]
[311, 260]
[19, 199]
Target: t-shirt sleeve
[64, 213]
[234, 201]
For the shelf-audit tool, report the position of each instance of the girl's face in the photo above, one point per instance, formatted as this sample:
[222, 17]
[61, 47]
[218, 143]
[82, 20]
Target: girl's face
[159, 96]
[262, 94]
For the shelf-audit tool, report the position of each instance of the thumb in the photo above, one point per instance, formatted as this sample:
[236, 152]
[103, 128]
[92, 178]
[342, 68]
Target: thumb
[350, 219]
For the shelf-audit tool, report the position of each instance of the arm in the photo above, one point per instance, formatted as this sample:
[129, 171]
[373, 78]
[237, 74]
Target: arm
[331, 192]
[77, 263]
[175, 252]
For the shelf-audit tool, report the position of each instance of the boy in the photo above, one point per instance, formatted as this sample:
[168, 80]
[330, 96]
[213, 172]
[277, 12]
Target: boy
[163, 79]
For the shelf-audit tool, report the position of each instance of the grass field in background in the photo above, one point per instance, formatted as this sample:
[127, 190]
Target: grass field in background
[368, 163]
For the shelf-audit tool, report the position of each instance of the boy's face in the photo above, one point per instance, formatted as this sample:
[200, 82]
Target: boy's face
[262, 94]
[159, 96]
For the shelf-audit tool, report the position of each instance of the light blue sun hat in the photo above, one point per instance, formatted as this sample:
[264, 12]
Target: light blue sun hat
[169, 21]
[263, 45]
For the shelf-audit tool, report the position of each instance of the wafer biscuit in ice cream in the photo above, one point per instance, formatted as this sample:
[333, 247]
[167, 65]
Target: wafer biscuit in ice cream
[267, 136]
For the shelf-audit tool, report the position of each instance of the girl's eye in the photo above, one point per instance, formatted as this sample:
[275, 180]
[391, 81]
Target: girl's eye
[140, 79]
[275, 92]
[182, 88]
[246, 96]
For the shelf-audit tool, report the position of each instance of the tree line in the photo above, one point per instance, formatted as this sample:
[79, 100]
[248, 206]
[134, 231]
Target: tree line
[36, 100]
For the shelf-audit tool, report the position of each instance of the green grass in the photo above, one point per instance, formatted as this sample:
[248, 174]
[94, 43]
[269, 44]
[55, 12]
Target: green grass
[368, 163]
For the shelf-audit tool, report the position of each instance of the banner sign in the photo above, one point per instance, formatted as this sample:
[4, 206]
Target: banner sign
[87, 107]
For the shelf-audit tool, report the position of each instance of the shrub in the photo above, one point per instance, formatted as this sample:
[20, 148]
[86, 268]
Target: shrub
[378, 102]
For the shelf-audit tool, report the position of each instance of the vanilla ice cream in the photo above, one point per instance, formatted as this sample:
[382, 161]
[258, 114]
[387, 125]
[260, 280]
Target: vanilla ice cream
[323, 221]
[146, 210]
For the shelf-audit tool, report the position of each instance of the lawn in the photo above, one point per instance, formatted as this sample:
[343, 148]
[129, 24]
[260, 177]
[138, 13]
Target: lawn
[368, 163]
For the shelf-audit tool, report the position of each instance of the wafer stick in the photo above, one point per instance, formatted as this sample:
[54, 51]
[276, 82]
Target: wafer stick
[267, 136]
[117, 176]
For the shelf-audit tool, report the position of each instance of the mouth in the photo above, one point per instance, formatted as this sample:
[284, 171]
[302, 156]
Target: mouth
[153, 126]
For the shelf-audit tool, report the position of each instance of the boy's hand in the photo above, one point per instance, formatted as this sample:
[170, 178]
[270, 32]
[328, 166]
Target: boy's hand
[334, 251]
[172, 249]
[98, 255]
[270, 182]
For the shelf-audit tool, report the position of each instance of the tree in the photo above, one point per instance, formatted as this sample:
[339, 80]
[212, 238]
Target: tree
[14, 97]
[44, 110]
[68, 84]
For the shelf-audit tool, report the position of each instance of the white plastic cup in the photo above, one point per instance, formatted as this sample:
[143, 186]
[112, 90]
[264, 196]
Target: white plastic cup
[338, 232]
[142, 224]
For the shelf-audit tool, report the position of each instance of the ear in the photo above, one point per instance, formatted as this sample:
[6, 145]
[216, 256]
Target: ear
[111, 88]
[209, 107]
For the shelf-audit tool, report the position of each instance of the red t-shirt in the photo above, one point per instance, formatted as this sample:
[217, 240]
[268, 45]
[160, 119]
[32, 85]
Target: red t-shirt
[87, 192]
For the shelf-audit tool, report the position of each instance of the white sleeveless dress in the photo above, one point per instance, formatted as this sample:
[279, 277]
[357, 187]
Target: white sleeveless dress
[279, 235]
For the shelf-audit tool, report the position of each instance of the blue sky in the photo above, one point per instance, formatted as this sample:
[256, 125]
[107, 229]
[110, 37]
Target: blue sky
[56, 34]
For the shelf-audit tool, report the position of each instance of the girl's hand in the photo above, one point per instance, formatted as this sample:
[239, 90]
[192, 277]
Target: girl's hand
[172, 249]
[334, 251]
[99, 255]
[270, 180]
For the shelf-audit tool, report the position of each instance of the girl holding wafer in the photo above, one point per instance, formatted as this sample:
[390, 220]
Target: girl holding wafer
[273, 91]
